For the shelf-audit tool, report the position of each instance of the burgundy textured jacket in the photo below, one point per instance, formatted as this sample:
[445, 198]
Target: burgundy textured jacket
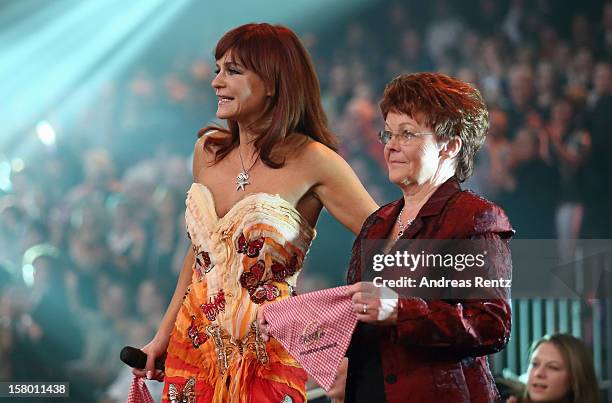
[437, 350]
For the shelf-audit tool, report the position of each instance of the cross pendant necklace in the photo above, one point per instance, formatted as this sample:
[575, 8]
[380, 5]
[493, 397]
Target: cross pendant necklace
[242, 179]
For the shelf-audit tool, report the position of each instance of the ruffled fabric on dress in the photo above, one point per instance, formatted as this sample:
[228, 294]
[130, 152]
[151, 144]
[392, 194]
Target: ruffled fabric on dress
[248, 258]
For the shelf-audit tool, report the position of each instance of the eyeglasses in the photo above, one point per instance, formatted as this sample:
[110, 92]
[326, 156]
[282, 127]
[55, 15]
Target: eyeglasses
[403, 137]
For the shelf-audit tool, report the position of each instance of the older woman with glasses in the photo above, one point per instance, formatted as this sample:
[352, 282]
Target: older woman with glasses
[410, 349]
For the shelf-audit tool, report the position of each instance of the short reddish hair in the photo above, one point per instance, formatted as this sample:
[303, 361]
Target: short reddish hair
[451, 107]
[277, 56]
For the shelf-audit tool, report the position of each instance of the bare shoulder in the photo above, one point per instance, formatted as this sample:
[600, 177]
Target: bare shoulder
[207, 144]
[215, 135]
[204, 151]
[334, 183]
[324, 163]
[314, 153]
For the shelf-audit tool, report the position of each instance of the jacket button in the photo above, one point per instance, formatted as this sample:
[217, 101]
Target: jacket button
[391, 378]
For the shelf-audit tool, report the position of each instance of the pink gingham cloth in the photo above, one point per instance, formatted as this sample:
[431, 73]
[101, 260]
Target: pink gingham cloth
[138, 392]
[316, 329]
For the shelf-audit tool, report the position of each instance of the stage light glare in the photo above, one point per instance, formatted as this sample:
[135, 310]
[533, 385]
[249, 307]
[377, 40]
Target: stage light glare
[46, 133]
[17, 165]
[27, 272]
[5, 176]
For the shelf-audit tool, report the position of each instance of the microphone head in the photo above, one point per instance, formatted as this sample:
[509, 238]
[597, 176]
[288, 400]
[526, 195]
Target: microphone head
[133, 357]
[137, 358]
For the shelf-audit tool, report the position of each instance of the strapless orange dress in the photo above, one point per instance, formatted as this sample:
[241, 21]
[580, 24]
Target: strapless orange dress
[250, 257]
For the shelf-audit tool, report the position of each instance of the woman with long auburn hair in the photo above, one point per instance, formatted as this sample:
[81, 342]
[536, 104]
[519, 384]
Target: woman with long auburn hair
[259, 187]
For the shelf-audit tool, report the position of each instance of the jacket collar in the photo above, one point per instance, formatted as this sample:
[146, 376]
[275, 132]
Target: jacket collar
[433, 206]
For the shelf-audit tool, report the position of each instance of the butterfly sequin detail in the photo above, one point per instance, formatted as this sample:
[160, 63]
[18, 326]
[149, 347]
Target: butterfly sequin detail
[217, 304]
[251, 248]
[259, 290]
[187, 395]
[203, 264]
[197, 338]
[281, 271]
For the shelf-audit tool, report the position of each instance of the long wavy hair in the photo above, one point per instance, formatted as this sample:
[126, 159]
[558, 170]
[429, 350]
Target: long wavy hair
[277, 56]
[577, 358]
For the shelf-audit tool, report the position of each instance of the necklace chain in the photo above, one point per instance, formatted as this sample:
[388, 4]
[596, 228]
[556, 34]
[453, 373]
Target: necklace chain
[403, 227]
[242, 162]
[242, 179]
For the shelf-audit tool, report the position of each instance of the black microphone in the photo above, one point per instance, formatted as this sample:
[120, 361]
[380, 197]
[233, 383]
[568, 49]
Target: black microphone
[137, 358]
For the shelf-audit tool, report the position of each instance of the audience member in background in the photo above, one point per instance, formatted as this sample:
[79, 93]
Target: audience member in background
[560, 370]
[99, 179]
[531, 202]
[105, 334]
[491, 174]
[48, 332]
[126, 238]
[150, 303]
[12, 230]
[598, 169]
[570, 146]
[521, 97]
[165, 235]
[89, 251]
[547, 87]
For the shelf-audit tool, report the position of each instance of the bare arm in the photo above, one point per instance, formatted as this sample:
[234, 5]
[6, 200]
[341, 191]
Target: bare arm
[158, 346]
[338, 188]
[184, 280]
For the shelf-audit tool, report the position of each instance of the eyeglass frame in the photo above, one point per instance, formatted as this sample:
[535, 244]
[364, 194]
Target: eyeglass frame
[403, 138]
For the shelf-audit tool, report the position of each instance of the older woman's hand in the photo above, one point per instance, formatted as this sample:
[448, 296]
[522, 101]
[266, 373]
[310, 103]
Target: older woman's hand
[368, 304]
